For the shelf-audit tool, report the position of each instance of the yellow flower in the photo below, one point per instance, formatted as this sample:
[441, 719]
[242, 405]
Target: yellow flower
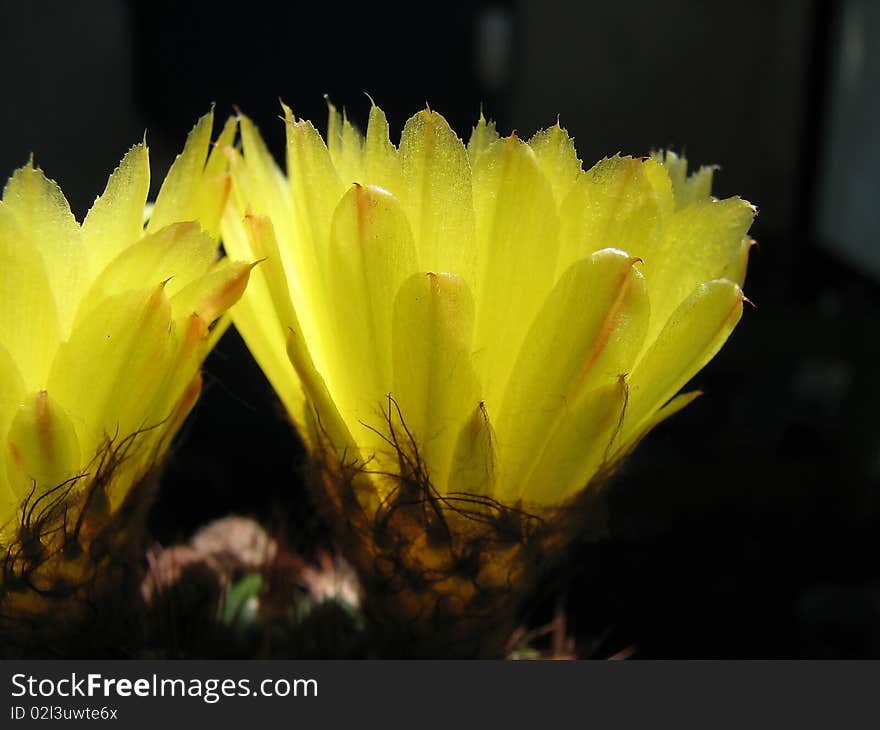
[103, 330]
[481, 331]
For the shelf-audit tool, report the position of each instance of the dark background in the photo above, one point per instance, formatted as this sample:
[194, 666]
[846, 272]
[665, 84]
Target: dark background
[749, 525]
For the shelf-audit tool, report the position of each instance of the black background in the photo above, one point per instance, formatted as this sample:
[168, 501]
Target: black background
[748, 526]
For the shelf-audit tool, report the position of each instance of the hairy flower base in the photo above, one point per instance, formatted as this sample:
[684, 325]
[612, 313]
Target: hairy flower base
[444, 575]
[73, 559]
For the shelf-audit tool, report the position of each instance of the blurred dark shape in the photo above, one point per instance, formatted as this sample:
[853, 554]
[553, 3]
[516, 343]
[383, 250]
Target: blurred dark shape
[234, 591]
[849, 217]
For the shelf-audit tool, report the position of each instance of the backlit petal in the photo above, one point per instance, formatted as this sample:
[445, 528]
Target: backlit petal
[434, 381]
[593, 323]
[42, 446]
[692, 336]
[557, 159]
[115, 221]
[436, 195]
[517, 243]
[27, 305]
[612, 205]
[47, 226]
[371, 254]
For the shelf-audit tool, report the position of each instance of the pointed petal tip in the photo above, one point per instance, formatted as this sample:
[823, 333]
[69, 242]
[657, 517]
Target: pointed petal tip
[42, 441]
[289, 117]
[159, 299]
[256, 223]
[196, 328]
[429, 115]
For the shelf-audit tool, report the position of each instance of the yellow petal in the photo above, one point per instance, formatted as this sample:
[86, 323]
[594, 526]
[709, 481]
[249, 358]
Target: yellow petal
[179, 197]
[593, 323]
[42, 446]
[436, 195]
[557, 159]
[268, 346]
[326, 417]
[516, 240]
[185, 350]
[120, 349]
[27, 304]
[262, 181]
[702, 242]
[658, 177]
[675, 165]
[264, 245]
[578, 446]
[371, 254]
[115, 221]
[273, 305]
[11, 388]
[483, 135]
[168, 408]
[698, 186]
[48, 227]
[214, 293]
[691, 337]
[345, 145]
[473, 460]
[689, 189]
[265, 192]
[315, 185]
[434, 381]
[263, 319]
[185, 405]
[216, 184]
[381, 161]
[316, 190]
[334, 130]
[217, 159]
[177, 254]
[612, 205]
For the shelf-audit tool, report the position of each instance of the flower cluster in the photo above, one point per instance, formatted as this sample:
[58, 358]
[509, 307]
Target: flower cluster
[470, 338]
